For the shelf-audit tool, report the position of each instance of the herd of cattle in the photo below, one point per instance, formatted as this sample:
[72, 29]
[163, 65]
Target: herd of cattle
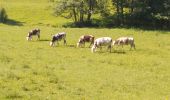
[96, 43]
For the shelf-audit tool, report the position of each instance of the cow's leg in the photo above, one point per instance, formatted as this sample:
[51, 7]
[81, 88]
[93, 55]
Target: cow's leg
[51, 44]
[38, 37]
[90, 44]
[30, 38]
[109, 47]
[134, 46]
[57, 42]
[100, 47]
[122, 50]
[83, 44]
[131, 45]
[116, 48]
[65, 43]
[120, 44]
[79, 45]
[93, 49]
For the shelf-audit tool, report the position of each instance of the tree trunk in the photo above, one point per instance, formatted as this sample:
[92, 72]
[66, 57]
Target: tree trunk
[121, 12]
[90, 10]
[132, 6]
[74, 14]
[118, 11]
[82, 12]
[81, 16]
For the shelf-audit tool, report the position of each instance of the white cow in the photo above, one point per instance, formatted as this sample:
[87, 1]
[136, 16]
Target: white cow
[103, 41]
[125, 41]
[58, 37]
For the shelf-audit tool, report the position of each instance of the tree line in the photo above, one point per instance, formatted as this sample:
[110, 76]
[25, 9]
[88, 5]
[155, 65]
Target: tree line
[135, 13]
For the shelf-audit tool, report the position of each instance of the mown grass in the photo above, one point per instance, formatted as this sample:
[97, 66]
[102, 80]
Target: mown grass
[34, 70]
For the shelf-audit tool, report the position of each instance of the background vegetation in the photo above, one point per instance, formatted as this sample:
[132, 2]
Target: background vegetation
[133, 13]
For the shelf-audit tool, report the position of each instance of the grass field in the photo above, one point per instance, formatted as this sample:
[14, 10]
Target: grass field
[34, 70]
[31, 13]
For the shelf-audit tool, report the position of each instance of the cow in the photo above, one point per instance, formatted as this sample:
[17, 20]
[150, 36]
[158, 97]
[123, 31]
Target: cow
[125, 41]
[33, 33]
[85, 38]
[103, 41]
[58, 37]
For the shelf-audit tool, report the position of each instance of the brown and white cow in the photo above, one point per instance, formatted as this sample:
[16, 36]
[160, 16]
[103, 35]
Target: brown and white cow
[103, 41]
[125, 41]
[85, 38]
[33, 32]
[58, 37]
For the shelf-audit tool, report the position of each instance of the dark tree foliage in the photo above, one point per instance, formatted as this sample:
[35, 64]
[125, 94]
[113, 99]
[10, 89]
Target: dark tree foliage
[143, 13]
[81, 11]
[133, 13]
[3, 15]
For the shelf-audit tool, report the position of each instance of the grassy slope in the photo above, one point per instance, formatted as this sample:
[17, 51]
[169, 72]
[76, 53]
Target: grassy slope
[32, 12]
[33, 70]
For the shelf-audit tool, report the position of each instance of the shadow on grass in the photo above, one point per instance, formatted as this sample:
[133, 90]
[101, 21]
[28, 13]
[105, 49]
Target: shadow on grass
[71, 45]
[118, 52]
[65, 46]
[44, 40]
[112, 52]
[14, 22]
[85, 47]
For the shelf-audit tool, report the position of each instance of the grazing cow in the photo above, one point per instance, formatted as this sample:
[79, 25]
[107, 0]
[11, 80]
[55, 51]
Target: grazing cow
[85, 38]
[33, 32]
[125, 41]
[103, 41]
[58, 37]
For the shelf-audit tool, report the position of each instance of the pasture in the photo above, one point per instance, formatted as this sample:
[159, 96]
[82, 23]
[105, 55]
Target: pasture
[34, 70]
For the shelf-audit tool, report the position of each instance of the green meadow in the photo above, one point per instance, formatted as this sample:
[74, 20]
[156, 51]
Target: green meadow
[34, 70]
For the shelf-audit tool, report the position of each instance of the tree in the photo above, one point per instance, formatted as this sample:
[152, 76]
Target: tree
[157, 12]
[120, 4]
[3, 15]
[80, 10]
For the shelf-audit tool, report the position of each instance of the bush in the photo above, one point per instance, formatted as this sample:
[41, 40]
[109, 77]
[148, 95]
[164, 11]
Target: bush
[3, 15]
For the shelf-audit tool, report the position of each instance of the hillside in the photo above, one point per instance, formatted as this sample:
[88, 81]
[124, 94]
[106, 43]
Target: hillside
[32, 70]
[31, 12]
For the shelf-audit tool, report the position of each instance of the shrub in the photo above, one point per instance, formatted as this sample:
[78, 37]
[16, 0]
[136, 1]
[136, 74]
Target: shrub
[3, 15]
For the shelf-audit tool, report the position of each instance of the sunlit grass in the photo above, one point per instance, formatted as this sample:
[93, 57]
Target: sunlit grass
[34, 70]
[33, 12]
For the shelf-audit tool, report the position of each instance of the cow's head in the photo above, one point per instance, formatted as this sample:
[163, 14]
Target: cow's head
[51, 44]
[28, 36]
[114, 42]
[93, 49]
[80, 42]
